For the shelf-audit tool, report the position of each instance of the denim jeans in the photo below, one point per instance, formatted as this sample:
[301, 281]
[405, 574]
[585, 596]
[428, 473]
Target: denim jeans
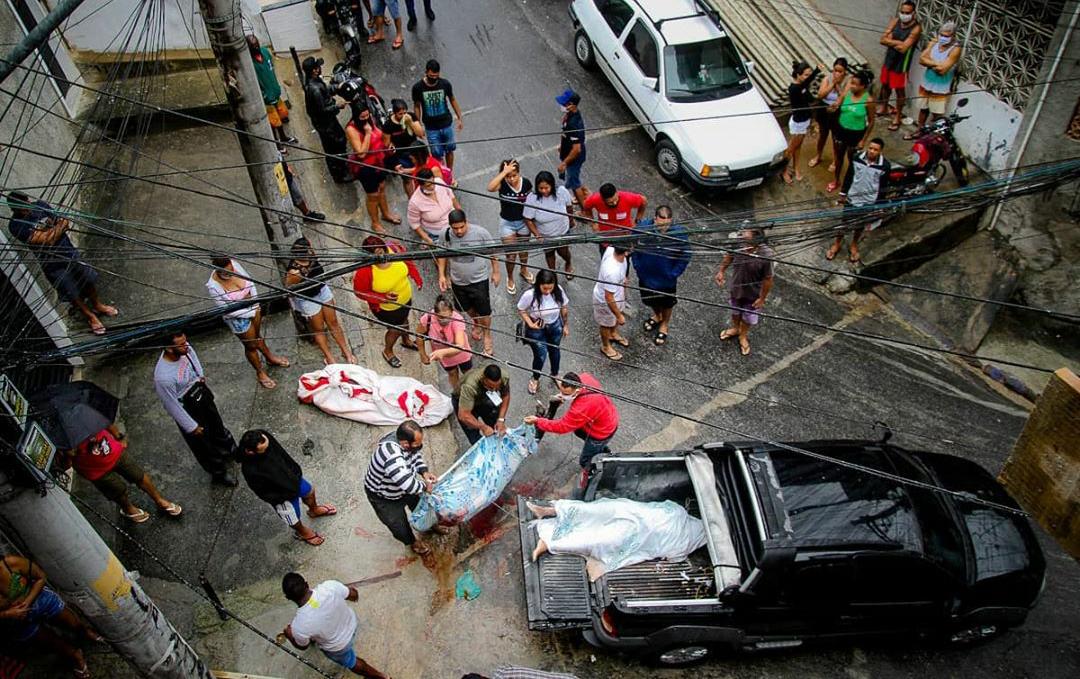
[592, 447]
[543, 342]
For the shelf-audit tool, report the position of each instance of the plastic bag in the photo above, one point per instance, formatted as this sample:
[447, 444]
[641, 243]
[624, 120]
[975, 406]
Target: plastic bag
[475, 480]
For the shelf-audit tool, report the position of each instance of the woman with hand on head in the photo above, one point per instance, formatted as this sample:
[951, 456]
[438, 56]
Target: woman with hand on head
[513, 189]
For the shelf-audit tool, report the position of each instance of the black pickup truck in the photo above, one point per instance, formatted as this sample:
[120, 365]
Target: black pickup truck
[798, 548]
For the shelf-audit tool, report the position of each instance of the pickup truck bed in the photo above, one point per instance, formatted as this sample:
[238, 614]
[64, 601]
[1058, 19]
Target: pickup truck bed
[691, 578]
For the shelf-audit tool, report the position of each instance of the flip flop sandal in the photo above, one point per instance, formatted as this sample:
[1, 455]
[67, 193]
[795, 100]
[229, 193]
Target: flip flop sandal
[831, 187]
[395, 220]
[728, 334]
[266, 382]
[330, 511]
[661, 339]
[111, 311]
[172, 509]
[622, 342]
[423, 550]
[98, 329]
[612, 357]
[569, 272]
[282, 362]
[412, 346]
[138, 517]
[744, 348]
[831, 254]
[534, 385]
[393, 361]
[82, 672]
[511, 288]
[397, 44]
[893, 127]
[372, 40]
[527, 277]
[314, 539]
[814, 162]
[650, 324]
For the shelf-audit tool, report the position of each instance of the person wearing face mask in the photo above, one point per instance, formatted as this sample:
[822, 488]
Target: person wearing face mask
[433, 98]
[828, 94]
[366, 162]
[445, 329]
[322, 109]
[430, 206]
[395, 478]
[940, 59]
[864, 185]
[548, 213]
[572, 145]
[401, 134]
[481, 402]
[899, 39]
[799, 123]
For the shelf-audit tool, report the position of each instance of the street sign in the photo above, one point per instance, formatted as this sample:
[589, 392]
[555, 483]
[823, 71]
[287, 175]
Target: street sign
[13, 402]
[38, 450]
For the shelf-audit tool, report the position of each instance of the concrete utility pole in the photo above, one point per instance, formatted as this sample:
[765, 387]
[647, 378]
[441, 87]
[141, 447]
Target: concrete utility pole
[224, 26]
[90, 577]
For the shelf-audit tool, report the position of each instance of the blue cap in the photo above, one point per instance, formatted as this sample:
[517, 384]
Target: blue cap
[568, 97]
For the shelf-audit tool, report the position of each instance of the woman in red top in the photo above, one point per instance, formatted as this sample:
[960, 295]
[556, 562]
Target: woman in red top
[102, 460]
[366, 161]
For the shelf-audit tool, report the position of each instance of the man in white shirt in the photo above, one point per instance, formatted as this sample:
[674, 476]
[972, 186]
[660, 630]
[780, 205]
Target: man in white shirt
[325, 619]
[609, 299]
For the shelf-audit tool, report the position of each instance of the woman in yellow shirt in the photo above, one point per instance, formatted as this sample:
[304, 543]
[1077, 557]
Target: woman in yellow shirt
[387, 290]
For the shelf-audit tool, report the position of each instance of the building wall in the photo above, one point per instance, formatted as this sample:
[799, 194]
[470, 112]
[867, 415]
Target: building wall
[25, 124]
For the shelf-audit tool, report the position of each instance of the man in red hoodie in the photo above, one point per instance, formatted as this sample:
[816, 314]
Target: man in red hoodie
[592, 417]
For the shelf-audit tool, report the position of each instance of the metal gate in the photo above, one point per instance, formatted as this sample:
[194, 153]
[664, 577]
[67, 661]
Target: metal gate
[1005, 41]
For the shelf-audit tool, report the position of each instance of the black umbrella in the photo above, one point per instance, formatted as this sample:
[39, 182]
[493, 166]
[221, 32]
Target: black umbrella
[71, 412]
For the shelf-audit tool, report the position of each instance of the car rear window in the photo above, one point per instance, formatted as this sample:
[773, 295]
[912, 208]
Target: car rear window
[827, 504]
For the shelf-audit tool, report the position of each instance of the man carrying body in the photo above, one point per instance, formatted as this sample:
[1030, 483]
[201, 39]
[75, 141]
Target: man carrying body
[469, 274]
[181, 385]
[324, 618]
[395, 478]
[481, 401]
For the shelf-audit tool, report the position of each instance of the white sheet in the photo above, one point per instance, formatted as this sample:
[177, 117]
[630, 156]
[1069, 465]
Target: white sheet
[359, 394]
[613, 533]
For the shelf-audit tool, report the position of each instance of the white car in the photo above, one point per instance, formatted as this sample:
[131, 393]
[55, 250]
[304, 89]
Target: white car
[679, 72]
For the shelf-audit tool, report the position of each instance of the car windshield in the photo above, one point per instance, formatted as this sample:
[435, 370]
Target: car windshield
[703, 71]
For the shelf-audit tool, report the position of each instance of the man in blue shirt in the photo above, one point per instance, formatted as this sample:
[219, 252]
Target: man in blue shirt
[572, 145]
[661, 256]
[45, 233]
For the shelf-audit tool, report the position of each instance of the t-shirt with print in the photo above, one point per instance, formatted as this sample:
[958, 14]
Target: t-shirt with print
[553, 223]
[434, 103]
[467, 269]
[611, 277]
[621, 215]
[549, 310]
[511, 202]
[325, 618]
[96, 456]
[573, 132]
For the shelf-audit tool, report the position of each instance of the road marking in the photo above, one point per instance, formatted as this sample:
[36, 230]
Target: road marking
[679, 430]
[551, 149]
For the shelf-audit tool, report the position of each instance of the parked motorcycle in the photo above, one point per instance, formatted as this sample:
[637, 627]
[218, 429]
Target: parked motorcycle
[352, 36]
[932, 144]
[358, 92]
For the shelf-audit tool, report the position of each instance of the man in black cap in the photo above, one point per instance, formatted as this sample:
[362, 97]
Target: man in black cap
[572, 145]
[323, 109]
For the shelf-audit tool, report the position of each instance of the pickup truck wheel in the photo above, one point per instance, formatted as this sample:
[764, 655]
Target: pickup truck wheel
[679, 655]
[668, 160]
[583, 50]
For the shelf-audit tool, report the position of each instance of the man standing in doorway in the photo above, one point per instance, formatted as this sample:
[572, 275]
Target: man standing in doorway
[276, 110]
[395, 478]
[899, 39]
[481, 401]
[572, 145]
[469, 274]
[659, 259]
[324, 618]
[323, 109]
[751, 282]
[181, 385]
[433, 98]
[609, 299]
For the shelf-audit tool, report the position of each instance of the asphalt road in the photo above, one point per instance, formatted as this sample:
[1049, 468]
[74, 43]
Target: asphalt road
[507, 61]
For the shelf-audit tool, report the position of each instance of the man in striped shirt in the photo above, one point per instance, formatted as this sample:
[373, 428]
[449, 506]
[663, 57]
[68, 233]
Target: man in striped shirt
[396, 476]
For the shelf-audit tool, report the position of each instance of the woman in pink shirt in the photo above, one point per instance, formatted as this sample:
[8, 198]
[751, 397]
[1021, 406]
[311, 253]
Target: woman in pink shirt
[429, 207]
[449, 341]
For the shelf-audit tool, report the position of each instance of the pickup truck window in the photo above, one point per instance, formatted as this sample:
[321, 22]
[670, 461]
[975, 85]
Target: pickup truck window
[704, 71]
[616, 13]
[641, 47]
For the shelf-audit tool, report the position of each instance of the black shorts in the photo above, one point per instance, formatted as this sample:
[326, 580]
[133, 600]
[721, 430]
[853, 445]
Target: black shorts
[396, 317]
[659, 299]
[474, 298]
[826, 119]
[849, 138]
[371, 178]
[71, 281]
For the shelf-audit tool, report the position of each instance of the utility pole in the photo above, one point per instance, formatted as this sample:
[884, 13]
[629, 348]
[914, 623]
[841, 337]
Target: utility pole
[90, 577]
[224, 26]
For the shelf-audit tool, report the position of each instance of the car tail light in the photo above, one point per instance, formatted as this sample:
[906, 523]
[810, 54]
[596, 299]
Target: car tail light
[608, 623]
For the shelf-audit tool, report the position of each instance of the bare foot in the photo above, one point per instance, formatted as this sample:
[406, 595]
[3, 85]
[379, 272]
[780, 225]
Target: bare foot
[265, 380]
[351, 359]
[541, 548]
[540, 511]
[106, 309]
[477, 332]
[744, 346]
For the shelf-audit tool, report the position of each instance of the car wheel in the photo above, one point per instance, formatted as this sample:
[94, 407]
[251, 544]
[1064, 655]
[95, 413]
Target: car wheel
[680, 655]
[583, 50]
[668, 160]
[973, 634]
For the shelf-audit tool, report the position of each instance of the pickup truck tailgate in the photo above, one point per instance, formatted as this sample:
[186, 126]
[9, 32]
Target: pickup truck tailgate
[556, 585]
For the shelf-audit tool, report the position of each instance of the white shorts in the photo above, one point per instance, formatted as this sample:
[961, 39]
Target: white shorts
[798, 128]
[603, 316]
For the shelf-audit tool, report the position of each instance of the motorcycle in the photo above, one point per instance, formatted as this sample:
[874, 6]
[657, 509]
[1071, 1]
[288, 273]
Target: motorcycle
[352, 37]
[358, 92]
[932, 144]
